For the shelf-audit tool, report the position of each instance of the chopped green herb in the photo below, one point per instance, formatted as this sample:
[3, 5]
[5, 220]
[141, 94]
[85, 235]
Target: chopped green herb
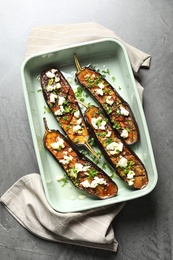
[113, 78]
[46, 109]
[64, 180]
[92, 173]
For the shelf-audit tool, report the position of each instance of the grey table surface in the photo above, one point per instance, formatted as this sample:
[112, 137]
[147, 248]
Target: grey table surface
[144, 228]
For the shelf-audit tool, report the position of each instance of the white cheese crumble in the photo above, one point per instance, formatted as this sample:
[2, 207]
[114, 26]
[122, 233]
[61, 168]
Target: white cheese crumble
[77, 114]
[53, 70]
[130, 175]
[122, 162]
[80, 167]
[66, 159]
[61, 100]
[77, 128]
[79, 121]
[57, 79]
[124, 111]
[114, 148]
[51, 88]
[53, 97]
[124, 133]
[99, 91]
[96, 181]
[98, 123]
[131, 182]
[57, 86]
[101, 85]
[50, 75]
[59, 112]
[109, 100]
[108, 133]
[59, 144]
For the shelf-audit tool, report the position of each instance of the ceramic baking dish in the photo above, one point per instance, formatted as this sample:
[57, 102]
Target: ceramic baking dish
[106, 54]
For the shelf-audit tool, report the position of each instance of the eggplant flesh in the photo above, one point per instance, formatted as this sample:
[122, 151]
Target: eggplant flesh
[122, 158]
[82, 172]
[115, 107]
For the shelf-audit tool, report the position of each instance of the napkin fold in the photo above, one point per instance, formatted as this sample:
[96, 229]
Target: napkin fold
[26, 200]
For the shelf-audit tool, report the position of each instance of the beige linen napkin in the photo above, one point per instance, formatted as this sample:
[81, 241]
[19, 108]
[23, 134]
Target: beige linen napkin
[26, 200]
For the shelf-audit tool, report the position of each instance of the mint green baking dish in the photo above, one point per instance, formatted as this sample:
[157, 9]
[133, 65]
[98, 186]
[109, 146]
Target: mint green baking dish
[106, 54]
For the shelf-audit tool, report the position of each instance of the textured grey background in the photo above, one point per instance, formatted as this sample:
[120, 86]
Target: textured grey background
[144, 228]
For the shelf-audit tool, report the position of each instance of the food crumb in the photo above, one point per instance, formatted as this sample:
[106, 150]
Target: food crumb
[81, 197]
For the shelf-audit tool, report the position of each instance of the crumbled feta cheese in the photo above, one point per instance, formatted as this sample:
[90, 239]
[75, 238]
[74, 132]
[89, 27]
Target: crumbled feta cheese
[53, 97]
[124, 111]
[50, 75]
[59, 112]
[131, 182]
[114, 147]
[79, 167]
[50, 88]
[122, 162]
[73, 173]
[130, 175]
[57, 86]
[66, 160]
[108, 133]
[101, 85]
[61, 100]
[124, 133]
[109, 100]
[96, 181]
[79, 121]
[77, 128]
[77, 114]
[99, 91]
[57, 79]
[98, 123]
[85, 168]
[81, 197]
[86, 184]
[59, 144]
[53, 71]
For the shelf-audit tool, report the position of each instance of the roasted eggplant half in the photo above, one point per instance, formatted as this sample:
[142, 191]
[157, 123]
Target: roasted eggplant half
[115, 107]
[122, 158]
[61, 100]
[82, 172]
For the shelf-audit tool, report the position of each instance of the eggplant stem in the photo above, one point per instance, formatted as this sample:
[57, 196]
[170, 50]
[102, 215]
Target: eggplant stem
[82, 103]
[45, 124]
[78, 66]
[91, 150]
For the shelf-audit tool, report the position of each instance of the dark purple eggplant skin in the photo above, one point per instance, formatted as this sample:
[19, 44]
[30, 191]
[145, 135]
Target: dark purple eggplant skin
[101, 191]
[141, 180]
[134, 135]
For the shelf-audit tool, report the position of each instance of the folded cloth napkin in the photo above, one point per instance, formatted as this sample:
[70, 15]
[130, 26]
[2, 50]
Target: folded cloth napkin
[26, 200]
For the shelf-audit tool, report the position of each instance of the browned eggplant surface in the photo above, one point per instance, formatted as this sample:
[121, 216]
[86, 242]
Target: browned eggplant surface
[61, 100]
[125, 162]
[116, 108]
[83, 173]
